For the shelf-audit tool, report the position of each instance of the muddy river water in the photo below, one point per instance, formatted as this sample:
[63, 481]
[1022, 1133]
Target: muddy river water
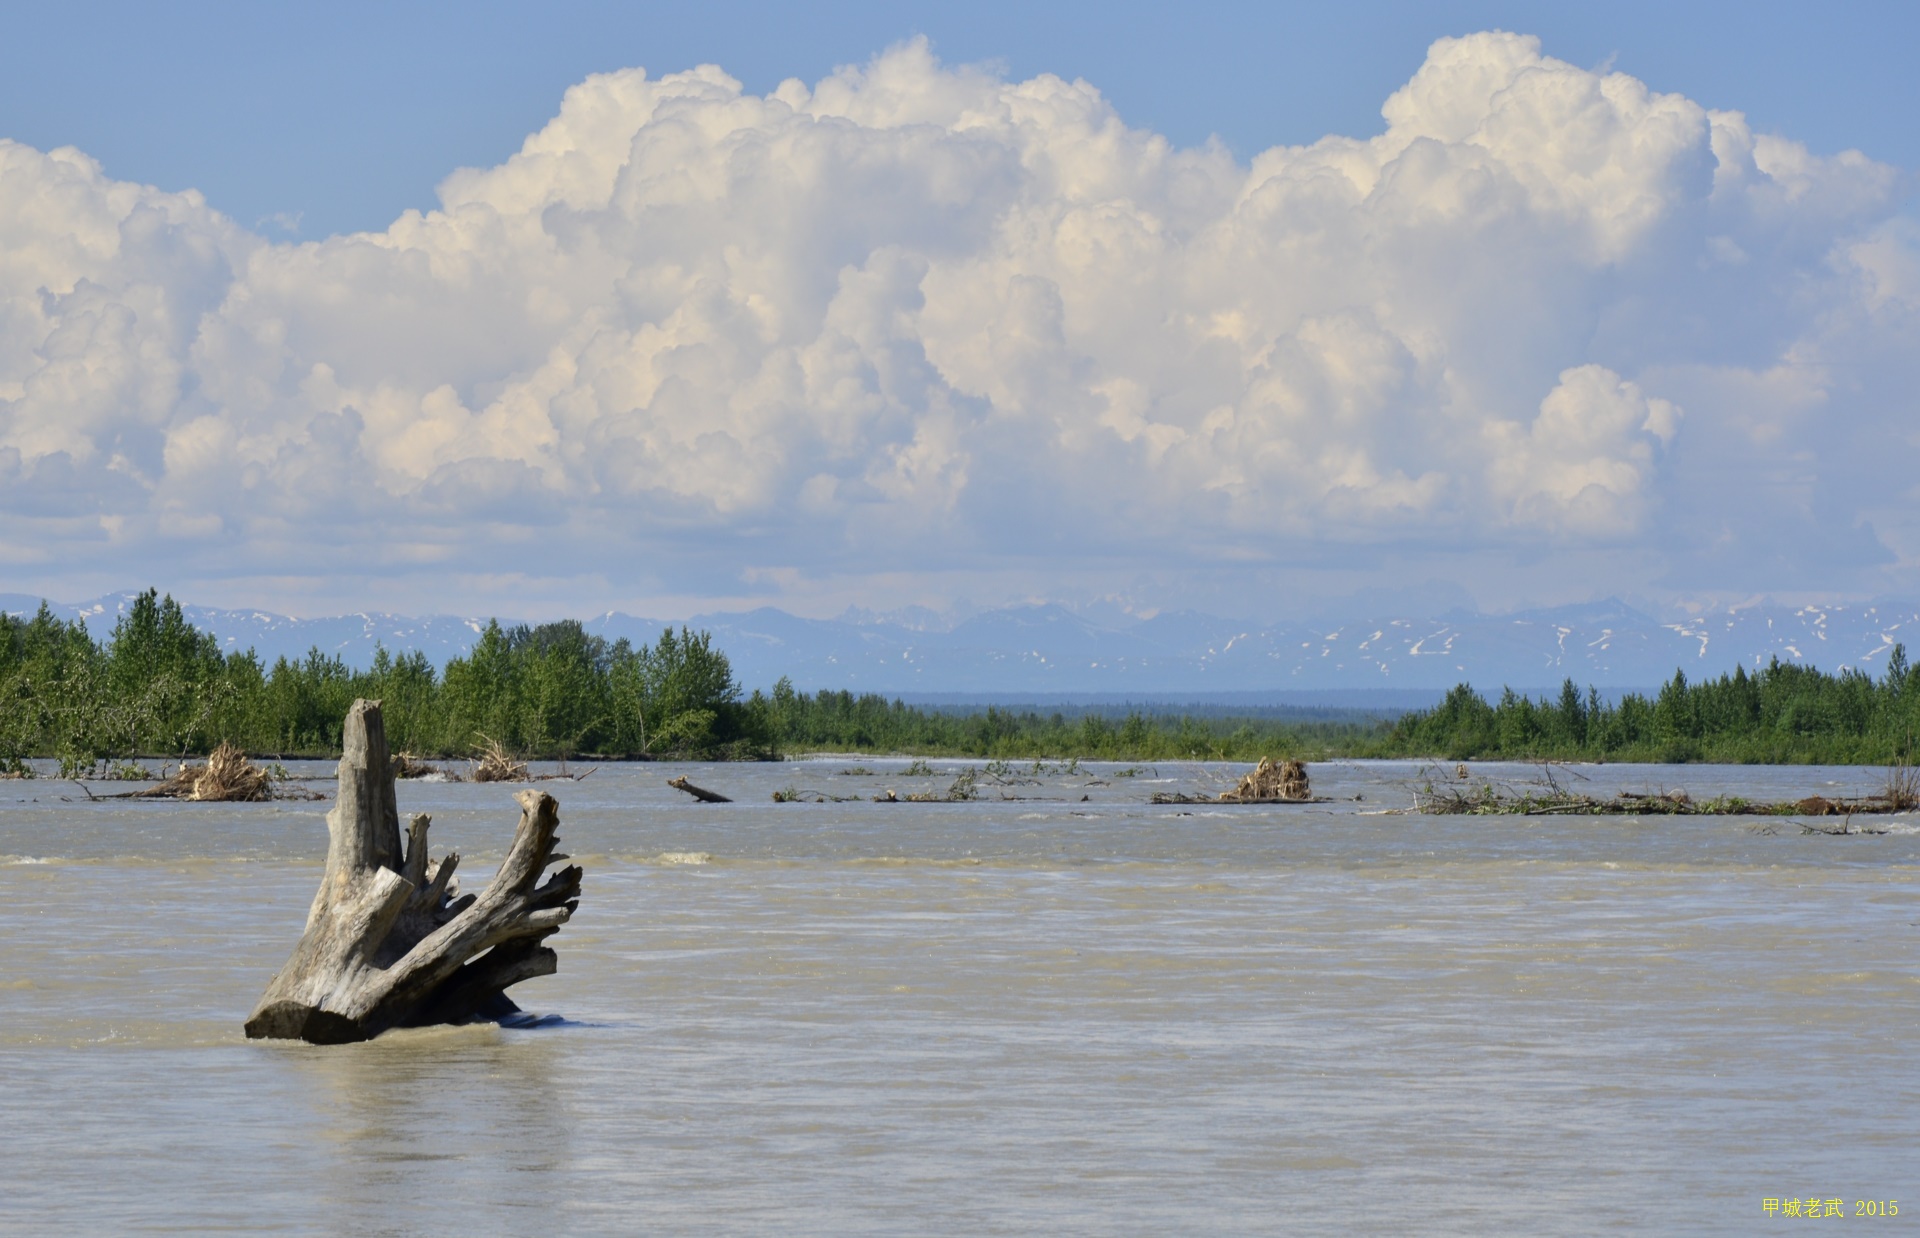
[1030, 1013]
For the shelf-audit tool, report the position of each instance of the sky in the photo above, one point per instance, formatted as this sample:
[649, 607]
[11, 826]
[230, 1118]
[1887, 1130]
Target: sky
[565, 308]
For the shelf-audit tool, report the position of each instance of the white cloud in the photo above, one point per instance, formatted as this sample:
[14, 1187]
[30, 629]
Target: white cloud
[921, 319]
[1583, 465]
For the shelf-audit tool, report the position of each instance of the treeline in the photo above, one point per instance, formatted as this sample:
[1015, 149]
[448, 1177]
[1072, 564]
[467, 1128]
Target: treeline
[830, 721]
[158, 686]
[1781, 714]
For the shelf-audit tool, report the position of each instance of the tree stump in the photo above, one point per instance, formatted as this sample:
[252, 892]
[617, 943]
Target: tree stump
[390, 942]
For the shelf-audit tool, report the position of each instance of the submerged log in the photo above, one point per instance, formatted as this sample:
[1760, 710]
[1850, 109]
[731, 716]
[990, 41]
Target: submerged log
[700, 793]
[389, 941]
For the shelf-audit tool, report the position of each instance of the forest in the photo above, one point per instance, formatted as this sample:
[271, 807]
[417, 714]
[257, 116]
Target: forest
[157, 686]
[1781, 714]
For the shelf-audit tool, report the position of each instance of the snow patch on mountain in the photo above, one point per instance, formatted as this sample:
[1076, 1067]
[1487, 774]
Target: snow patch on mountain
[1037, 650]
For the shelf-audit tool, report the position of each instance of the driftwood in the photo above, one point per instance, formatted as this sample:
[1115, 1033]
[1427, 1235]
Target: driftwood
[700, 793]
[389, 941]
[1285, 783]
[227, 776]
[1547, 798]
[495, 764]
[406, 765]
[1181, 797]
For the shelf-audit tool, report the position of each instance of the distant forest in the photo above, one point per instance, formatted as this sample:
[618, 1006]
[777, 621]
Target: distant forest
[157, 686]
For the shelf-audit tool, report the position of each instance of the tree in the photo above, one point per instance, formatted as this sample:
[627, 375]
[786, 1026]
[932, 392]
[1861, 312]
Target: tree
[689, 692]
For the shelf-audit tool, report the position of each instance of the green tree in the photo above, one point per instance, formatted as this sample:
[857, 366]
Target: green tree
[691, 692]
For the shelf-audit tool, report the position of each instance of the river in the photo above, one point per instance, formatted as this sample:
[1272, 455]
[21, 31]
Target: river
[1030, 1013]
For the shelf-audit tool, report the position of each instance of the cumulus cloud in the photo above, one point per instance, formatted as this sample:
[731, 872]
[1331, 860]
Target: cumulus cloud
[916, 318]
[1583, 463]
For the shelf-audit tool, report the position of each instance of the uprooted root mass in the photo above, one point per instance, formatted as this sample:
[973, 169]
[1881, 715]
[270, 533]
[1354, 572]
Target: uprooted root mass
[226, 777]
[390, 941]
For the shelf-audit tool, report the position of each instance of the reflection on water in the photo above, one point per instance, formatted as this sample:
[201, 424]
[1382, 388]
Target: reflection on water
[395, 1110]
[1016, 1015]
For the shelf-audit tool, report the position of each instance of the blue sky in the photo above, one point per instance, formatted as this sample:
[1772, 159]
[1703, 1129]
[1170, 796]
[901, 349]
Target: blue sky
[906, 304]
[344, 116]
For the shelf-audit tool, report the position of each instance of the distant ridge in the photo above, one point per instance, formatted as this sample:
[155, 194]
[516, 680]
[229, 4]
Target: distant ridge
[1048, 653]
[350, 637]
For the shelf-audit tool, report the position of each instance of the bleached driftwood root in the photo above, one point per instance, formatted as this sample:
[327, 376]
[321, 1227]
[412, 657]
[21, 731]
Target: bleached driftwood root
[1286, 782]
[227, 776]
[389, 941]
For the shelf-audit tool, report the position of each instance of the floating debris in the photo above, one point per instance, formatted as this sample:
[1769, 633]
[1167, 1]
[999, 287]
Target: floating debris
[497, 765]
[806, 795]
[700, 793]
[406, 765]
[227, 777]
[1285, 783]
[1487, 800]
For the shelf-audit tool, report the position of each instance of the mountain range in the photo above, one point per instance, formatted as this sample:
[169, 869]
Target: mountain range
[1052, 653]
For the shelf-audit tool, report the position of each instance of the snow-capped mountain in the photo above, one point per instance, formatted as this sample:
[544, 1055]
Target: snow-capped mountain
[1043, 650]
[350, 637]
